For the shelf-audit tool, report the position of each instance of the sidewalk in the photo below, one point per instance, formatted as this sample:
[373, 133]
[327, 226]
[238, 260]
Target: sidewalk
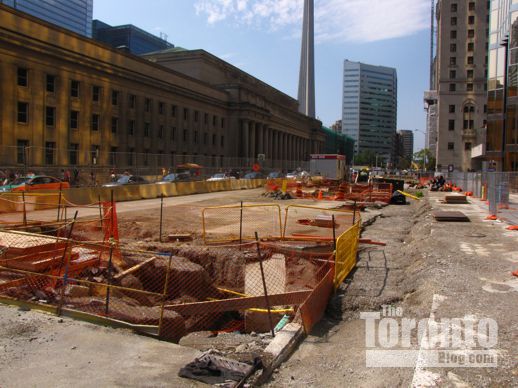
[509, 216]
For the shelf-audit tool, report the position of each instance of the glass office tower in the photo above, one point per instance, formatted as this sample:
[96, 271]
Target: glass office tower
[75, 15]
[502, 122]
[369, 108]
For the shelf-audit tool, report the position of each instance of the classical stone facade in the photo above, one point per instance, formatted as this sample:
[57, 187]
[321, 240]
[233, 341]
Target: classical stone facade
[69, 100]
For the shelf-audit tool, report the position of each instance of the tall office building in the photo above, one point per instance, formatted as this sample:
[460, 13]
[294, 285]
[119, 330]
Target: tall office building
[461, 63]
[501, 143]
[74, 15]
[407, 143]
[306, 95]
[369, 108]
[128, 37]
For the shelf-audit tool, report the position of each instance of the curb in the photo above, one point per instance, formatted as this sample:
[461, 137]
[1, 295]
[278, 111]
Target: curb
[279, 350]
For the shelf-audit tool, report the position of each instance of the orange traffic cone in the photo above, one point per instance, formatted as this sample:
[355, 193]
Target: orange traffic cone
[320, 195]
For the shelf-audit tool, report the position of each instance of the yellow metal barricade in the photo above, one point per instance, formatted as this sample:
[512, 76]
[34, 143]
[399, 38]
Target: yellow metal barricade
[346, 250]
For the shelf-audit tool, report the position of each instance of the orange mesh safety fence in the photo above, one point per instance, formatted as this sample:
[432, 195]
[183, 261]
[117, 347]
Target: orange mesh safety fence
[224, 224]
[316, 223]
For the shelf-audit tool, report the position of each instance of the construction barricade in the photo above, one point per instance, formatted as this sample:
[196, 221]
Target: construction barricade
[346, 253]
[223, 224]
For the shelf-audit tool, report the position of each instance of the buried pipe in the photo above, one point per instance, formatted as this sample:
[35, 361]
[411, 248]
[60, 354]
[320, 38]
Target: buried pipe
[164, 296]
[259, 256]
[65, 275]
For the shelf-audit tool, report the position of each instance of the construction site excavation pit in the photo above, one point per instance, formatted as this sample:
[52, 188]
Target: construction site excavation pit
[205, 297]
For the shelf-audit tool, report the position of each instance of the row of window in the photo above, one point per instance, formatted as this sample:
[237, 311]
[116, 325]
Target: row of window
[467, 109]
[471, 20]
[470, 47]
[466, 124]
[469, 87]
[469, 60]
[451, 146]
[471, 6]
[471, 33]
[50, 119]
[23, 80]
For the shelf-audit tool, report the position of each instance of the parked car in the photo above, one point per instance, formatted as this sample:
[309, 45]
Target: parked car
[127, 180]
[176, 177]
[33, 183]
[220, 177]
[292, 175]
[275, 175]
[254, 175]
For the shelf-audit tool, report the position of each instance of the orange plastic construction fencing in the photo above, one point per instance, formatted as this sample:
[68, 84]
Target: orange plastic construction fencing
[316, 223]
[223, 224]
[346, 252]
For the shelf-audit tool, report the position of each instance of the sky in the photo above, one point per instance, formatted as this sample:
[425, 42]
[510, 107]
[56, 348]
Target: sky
[263, 38]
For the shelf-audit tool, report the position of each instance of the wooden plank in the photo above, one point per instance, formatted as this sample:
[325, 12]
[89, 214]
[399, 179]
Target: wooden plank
[452, 216]
[134, 268]
[233, 304]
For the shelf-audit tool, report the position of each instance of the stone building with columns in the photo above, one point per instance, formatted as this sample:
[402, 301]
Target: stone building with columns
[67, 100]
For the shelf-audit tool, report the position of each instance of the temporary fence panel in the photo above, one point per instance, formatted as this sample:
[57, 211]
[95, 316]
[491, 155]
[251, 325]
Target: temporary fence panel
[311, 222]
[240, 222]
[346, 251]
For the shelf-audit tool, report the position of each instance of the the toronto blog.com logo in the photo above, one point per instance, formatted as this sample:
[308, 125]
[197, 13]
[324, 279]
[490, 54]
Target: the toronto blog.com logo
[392, 340]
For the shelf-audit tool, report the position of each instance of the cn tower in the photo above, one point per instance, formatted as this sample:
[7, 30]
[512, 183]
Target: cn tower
[306, 94]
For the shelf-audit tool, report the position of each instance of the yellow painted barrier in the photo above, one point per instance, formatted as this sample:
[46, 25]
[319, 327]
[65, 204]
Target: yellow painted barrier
[346, 250]
[408, 195]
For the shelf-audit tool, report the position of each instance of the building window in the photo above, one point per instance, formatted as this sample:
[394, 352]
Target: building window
[74, 119]
[485, 108]
[452, 108]
[214, 139]
[115, 124]
[21, 146]
[471, 19]
[50, 116]
[222, 142]
[173, 110]
[147, 105]
[451, 125]
[185, 135]
[146, 129]
[146, 157]
[451, 146]
[467, 146]
[96, 93]
[453, 74]
[22, 76]
[453, 21]
[115, 97]
[161, 108]
[206, 118]
[453, 34]
[222, 123]
[72, 153]
[471, 33]
[214, 119]
[49, 152]
[468, 124]
[453, 87]
[471, 5]
[471, 46]
[470, 60]
[195, 140]
[469, 74]
[196, 116]
[453, 61]
[130, 154]
[132, 101]
[50, 81]
[469, 87]
[185, 114]
[173, 133]
[454, 7]
[113, 156]
[74, 88]
[131, 127]
[23, 112]
[205, 138]
[453, 47]
[161, 132]
[95, 122]
[94, 153]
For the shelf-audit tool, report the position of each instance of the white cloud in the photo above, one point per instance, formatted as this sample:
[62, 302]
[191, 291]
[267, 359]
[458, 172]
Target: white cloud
[335, 20]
